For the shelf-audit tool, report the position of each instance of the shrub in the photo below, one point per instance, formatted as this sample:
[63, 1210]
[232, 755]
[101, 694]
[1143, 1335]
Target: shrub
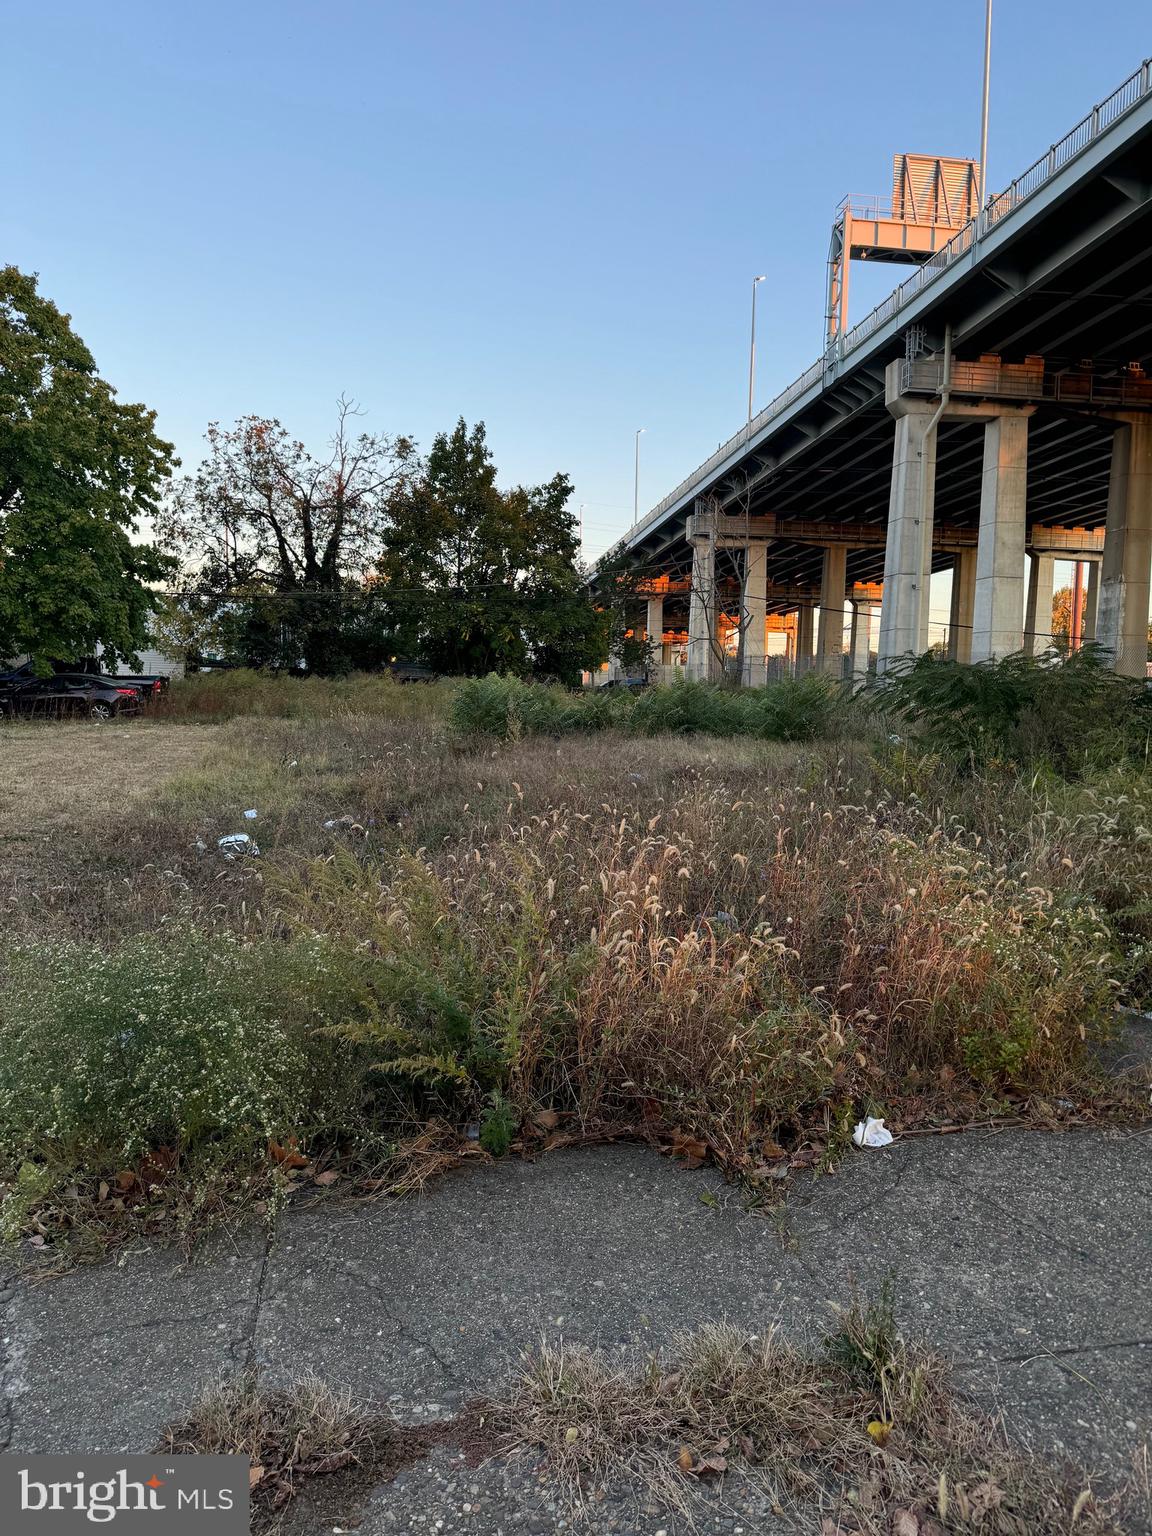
[795, 709]
[104, 1056]
[1073, 714]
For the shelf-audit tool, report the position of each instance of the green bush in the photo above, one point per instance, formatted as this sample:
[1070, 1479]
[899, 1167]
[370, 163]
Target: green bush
[1073, 715]
[106, 1055]
[795, 709]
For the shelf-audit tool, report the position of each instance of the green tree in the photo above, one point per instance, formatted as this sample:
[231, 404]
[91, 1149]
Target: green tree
[485, 580]
[78, 470]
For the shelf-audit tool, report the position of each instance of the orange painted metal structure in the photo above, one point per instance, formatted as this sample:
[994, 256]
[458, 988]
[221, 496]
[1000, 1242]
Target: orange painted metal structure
[933, 197]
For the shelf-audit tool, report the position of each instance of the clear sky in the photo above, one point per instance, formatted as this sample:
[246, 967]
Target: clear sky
[542, 213]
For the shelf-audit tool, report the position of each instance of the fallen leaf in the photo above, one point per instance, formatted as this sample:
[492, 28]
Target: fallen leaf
[254, 1475]
[103, 1189]
[546, 1120]
[905, 1523]
[685, 1461]
[770, 1150]
[287, 1155]
[880, 1429]
[571, 1435]
[327, 1178]
[716, 1464]
[125, 1178]
[706, 1197]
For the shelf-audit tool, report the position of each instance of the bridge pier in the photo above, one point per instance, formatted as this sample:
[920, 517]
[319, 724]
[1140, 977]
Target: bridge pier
[997, 619]
[1038, 611]
[805, 616]
[702, 647]
[1126, 574]
[654, 629]
[830, 642]
[963, 605]
[1091, 600]
[755, 615]
[908, 549]
[860, 643]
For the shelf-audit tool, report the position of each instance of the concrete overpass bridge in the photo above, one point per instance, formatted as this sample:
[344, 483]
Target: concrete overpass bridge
[992, 415]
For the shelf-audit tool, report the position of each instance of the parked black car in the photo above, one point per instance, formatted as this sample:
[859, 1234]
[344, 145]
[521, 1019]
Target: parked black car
[150, 687]
[68, 694]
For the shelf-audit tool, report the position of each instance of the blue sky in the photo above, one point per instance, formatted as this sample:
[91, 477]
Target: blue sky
[546, 215]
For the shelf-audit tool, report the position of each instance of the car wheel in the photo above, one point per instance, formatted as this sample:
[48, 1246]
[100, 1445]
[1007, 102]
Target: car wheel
[101, 711]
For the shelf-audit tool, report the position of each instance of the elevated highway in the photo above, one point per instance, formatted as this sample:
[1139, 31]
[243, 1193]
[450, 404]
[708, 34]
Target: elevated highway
[996, 406]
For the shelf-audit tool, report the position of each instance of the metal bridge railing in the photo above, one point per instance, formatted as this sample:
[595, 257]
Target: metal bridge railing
[1098, 121]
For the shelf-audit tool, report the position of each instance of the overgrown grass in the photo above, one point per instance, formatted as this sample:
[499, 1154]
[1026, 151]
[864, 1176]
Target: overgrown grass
[733, 965]
[242, 692]
[867, 1430]
[808, 708]
[741, 943]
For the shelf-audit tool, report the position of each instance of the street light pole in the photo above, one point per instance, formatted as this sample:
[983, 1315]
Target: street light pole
[984, 103]
[636, 480]
[756, 281]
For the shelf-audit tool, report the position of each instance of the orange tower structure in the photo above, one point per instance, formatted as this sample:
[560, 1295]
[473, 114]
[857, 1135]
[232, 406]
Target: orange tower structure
[933, 197]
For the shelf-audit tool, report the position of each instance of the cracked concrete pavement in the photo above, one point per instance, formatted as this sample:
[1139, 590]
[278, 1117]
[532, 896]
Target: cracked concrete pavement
[1022, 1256]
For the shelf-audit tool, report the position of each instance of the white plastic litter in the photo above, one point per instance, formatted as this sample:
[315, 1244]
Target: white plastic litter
[249, 815]
[237, 845]
[872, 1133]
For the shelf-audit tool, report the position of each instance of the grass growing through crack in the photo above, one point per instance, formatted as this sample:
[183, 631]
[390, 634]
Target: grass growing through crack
[289, 1433]
[868, 1431]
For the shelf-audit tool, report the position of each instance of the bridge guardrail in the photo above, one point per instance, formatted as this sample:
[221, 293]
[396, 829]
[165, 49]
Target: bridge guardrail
[1087, 131]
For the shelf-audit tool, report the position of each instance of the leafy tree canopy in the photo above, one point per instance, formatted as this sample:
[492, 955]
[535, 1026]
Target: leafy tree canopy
[78, 470]
[487, 580]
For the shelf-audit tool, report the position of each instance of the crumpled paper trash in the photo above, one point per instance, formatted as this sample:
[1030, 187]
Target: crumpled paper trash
[237, 845]
[872, 1133]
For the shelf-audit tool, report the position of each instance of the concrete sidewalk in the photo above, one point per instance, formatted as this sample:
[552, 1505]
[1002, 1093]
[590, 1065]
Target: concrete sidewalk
[1023, 1256]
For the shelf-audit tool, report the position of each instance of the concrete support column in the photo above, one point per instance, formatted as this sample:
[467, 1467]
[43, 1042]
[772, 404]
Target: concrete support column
[908, 551]
[654, 629]
[1038, 611]
[963, 606]
[861, 637]
[702, 647]
[1091, 600]
[755, 615]
[997, 624]
[1126, 575]
[830, 645]
[804, 627]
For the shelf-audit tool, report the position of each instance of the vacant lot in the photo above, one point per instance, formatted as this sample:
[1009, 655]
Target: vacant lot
[515, 924]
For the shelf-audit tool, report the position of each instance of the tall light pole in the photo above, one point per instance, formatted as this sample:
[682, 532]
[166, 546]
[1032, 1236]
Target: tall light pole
[636, 479]
[756, 281]
[984, 103]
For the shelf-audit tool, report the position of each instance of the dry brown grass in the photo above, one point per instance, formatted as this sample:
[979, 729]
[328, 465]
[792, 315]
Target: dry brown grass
[866, 1433]
[290, 1433]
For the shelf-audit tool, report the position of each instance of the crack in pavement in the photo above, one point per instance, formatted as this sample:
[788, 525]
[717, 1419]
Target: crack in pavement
[1072, 1349]
[257, 1304]
[353, 1270]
